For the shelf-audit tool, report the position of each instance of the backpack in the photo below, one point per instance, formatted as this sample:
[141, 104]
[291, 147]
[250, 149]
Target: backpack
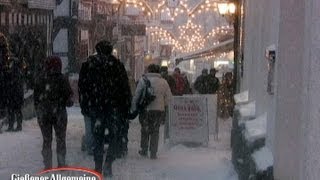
[148, 94]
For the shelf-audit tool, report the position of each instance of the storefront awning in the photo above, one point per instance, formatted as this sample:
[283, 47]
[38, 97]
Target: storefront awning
[221, 47]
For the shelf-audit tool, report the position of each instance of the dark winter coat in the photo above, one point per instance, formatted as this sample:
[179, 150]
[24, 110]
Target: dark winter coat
[201, 84]
[103, 86]
[14, 84]
[3, 99]
[52, 92]
[170, 81]
[212, 84]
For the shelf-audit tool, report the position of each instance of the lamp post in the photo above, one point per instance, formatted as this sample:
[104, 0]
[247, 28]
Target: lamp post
[231, 10]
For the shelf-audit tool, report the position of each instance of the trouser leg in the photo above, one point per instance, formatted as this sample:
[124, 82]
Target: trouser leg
[46, 130]
[115, 141]
[166, 123]
[98, 134]
[88, 138]
[124, 137]
[113, 124]
[154, 125]
[18, 115]
[11, 118]
[60, 127]
[144, 142]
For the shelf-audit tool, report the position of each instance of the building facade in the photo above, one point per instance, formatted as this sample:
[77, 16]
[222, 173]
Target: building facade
[28, 25]
[72, 38]
[288, 87]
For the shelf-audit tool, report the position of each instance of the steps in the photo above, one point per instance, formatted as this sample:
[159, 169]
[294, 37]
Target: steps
[251, 159]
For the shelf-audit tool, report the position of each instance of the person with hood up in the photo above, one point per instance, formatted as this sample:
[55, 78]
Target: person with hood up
[52, 93]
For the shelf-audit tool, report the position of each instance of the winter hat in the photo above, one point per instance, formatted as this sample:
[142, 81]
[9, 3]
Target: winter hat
[53, 64]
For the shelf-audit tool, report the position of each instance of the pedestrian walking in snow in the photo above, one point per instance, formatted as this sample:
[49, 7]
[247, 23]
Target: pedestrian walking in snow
[11, 80]
[180, 83]
[52, 93]
[165, 75]
[87, 141]
[104, 85]
[212, 82]
[15, 93]
[200, 84]
[171, 82]
[4, 56]
[150, 117]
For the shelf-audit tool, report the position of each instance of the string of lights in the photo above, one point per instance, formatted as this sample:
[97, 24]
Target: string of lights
[191, 36]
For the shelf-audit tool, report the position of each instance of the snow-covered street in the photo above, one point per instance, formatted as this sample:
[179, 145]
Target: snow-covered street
[20, 152]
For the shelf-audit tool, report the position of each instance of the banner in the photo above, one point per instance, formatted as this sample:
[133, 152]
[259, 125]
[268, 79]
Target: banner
[188, 120]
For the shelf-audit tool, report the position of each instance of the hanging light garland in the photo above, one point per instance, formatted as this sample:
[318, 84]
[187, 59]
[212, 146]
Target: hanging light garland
[191, 37]
[140, 6]
[161, 35]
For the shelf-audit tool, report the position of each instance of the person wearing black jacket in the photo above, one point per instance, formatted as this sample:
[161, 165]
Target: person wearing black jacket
[84, 92]
[52, 93]
[105, 97]
[201, 82]
[4, 56]
[15, 95]
[212, 82]
[11, 85]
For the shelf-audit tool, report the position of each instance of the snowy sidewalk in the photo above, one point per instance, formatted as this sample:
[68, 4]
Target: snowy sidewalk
[21, 153]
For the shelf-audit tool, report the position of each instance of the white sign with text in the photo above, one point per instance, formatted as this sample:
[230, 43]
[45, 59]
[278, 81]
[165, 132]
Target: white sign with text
[188, 122]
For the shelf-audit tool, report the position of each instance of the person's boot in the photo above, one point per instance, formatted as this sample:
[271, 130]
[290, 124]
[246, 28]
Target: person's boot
[19, 128]
[98, 166]
[47, 163]
[153, 156]
[143, 153]
[19, 122]
[10, 129]
[61, 160]
[107, 169]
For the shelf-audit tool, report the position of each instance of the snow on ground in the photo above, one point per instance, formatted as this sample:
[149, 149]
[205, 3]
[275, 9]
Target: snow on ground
[20, 152]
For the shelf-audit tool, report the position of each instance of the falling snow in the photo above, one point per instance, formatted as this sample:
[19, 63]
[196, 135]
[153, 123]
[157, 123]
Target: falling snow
[21, 153]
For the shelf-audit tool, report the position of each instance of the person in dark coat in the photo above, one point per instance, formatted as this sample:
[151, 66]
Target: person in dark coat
[105, 96]
[201, 82]
[212, 82]
[15, 93]
[4, 59]
[11, 80]
[52, 93]
[84, 92]
[165, 75]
